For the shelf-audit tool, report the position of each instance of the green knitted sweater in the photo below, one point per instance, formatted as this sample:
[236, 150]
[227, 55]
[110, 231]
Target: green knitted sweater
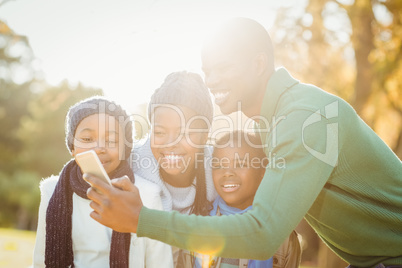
[326, 165]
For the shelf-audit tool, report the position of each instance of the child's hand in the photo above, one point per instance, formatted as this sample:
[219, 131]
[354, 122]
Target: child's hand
[115, 207]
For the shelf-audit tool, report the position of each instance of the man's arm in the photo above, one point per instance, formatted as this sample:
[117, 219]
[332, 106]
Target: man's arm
[283, 198]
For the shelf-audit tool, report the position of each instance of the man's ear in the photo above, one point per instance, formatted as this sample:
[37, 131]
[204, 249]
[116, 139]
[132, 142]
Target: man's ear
[72, 152]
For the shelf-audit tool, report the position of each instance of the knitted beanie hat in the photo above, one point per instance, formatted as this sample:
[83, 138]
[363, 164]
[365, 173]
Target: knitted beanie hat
[98, 105]
[185, 89]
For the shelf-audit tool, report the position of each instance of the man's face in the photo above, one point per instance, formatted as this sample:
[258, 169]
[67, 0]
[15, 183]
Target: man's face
[230, 76]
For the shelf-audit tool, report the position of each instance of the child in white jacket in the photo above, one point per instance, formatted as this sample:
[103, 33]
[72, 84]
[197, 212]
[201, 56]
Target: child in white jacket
[67, 236]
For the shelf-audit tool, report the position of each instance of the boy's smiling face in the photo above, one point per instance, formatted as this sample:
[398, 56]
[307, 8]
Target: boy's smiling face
[100, 132]
[237, 173]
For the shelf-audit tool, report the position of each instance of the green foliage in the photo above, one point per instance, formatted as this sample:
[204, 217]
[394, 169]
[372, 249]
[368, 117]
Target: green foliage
[13, 107]
[14, 93]
[352, 49]
[32, 135]
[42, 132]
[20, 197]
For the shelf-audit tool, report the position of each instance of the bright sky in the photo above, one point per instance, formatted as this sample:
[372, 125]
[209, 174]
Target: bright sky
[125, 47]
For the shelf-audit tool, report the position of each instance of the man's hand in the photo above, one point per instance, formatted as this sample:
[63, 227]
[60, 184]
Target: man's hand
[116, 207]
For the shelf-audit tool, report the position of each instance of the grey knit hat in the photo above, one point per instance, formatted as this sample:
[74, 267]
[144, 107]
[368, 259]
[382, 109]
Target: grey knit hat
[185, 89]
[98, 105]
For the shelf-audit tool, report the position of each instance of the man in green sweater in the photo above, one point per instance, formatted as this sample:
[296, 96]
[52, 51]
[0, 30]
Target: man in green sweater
[335, 171]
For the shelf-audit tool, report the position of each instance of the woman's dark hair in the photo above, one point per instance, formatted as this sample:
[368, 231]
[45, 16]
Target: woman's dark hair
[201, 205]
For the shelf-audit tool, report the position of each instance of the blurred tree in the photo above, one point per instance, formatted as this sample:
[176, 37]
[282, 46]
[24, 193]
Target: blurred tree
[352, 48]
[43, 133]
[32, 135]
[16, 75]
[15, 57]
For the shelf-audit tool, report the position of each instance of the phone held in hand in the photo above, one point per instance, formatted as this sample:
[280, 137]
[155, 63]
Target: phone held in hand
[89, 163]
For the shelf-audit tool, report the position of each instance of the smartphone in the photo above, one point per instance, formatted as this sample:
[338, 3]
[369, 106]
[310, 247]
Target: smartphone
[90, 163]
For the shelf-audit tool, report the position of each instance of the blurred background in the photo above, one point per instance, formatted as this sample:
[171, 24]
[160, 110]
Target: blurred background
[54, 53]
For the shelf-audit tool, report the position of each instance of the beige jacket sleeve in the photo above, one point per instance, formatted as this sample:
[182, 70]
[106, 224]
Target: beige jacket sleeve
[289, 253]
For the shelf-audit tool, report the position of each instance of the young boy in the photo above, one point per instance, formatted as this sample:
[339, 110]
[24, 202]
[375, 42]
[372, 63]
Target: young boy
[67, 236]
[238, 166]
